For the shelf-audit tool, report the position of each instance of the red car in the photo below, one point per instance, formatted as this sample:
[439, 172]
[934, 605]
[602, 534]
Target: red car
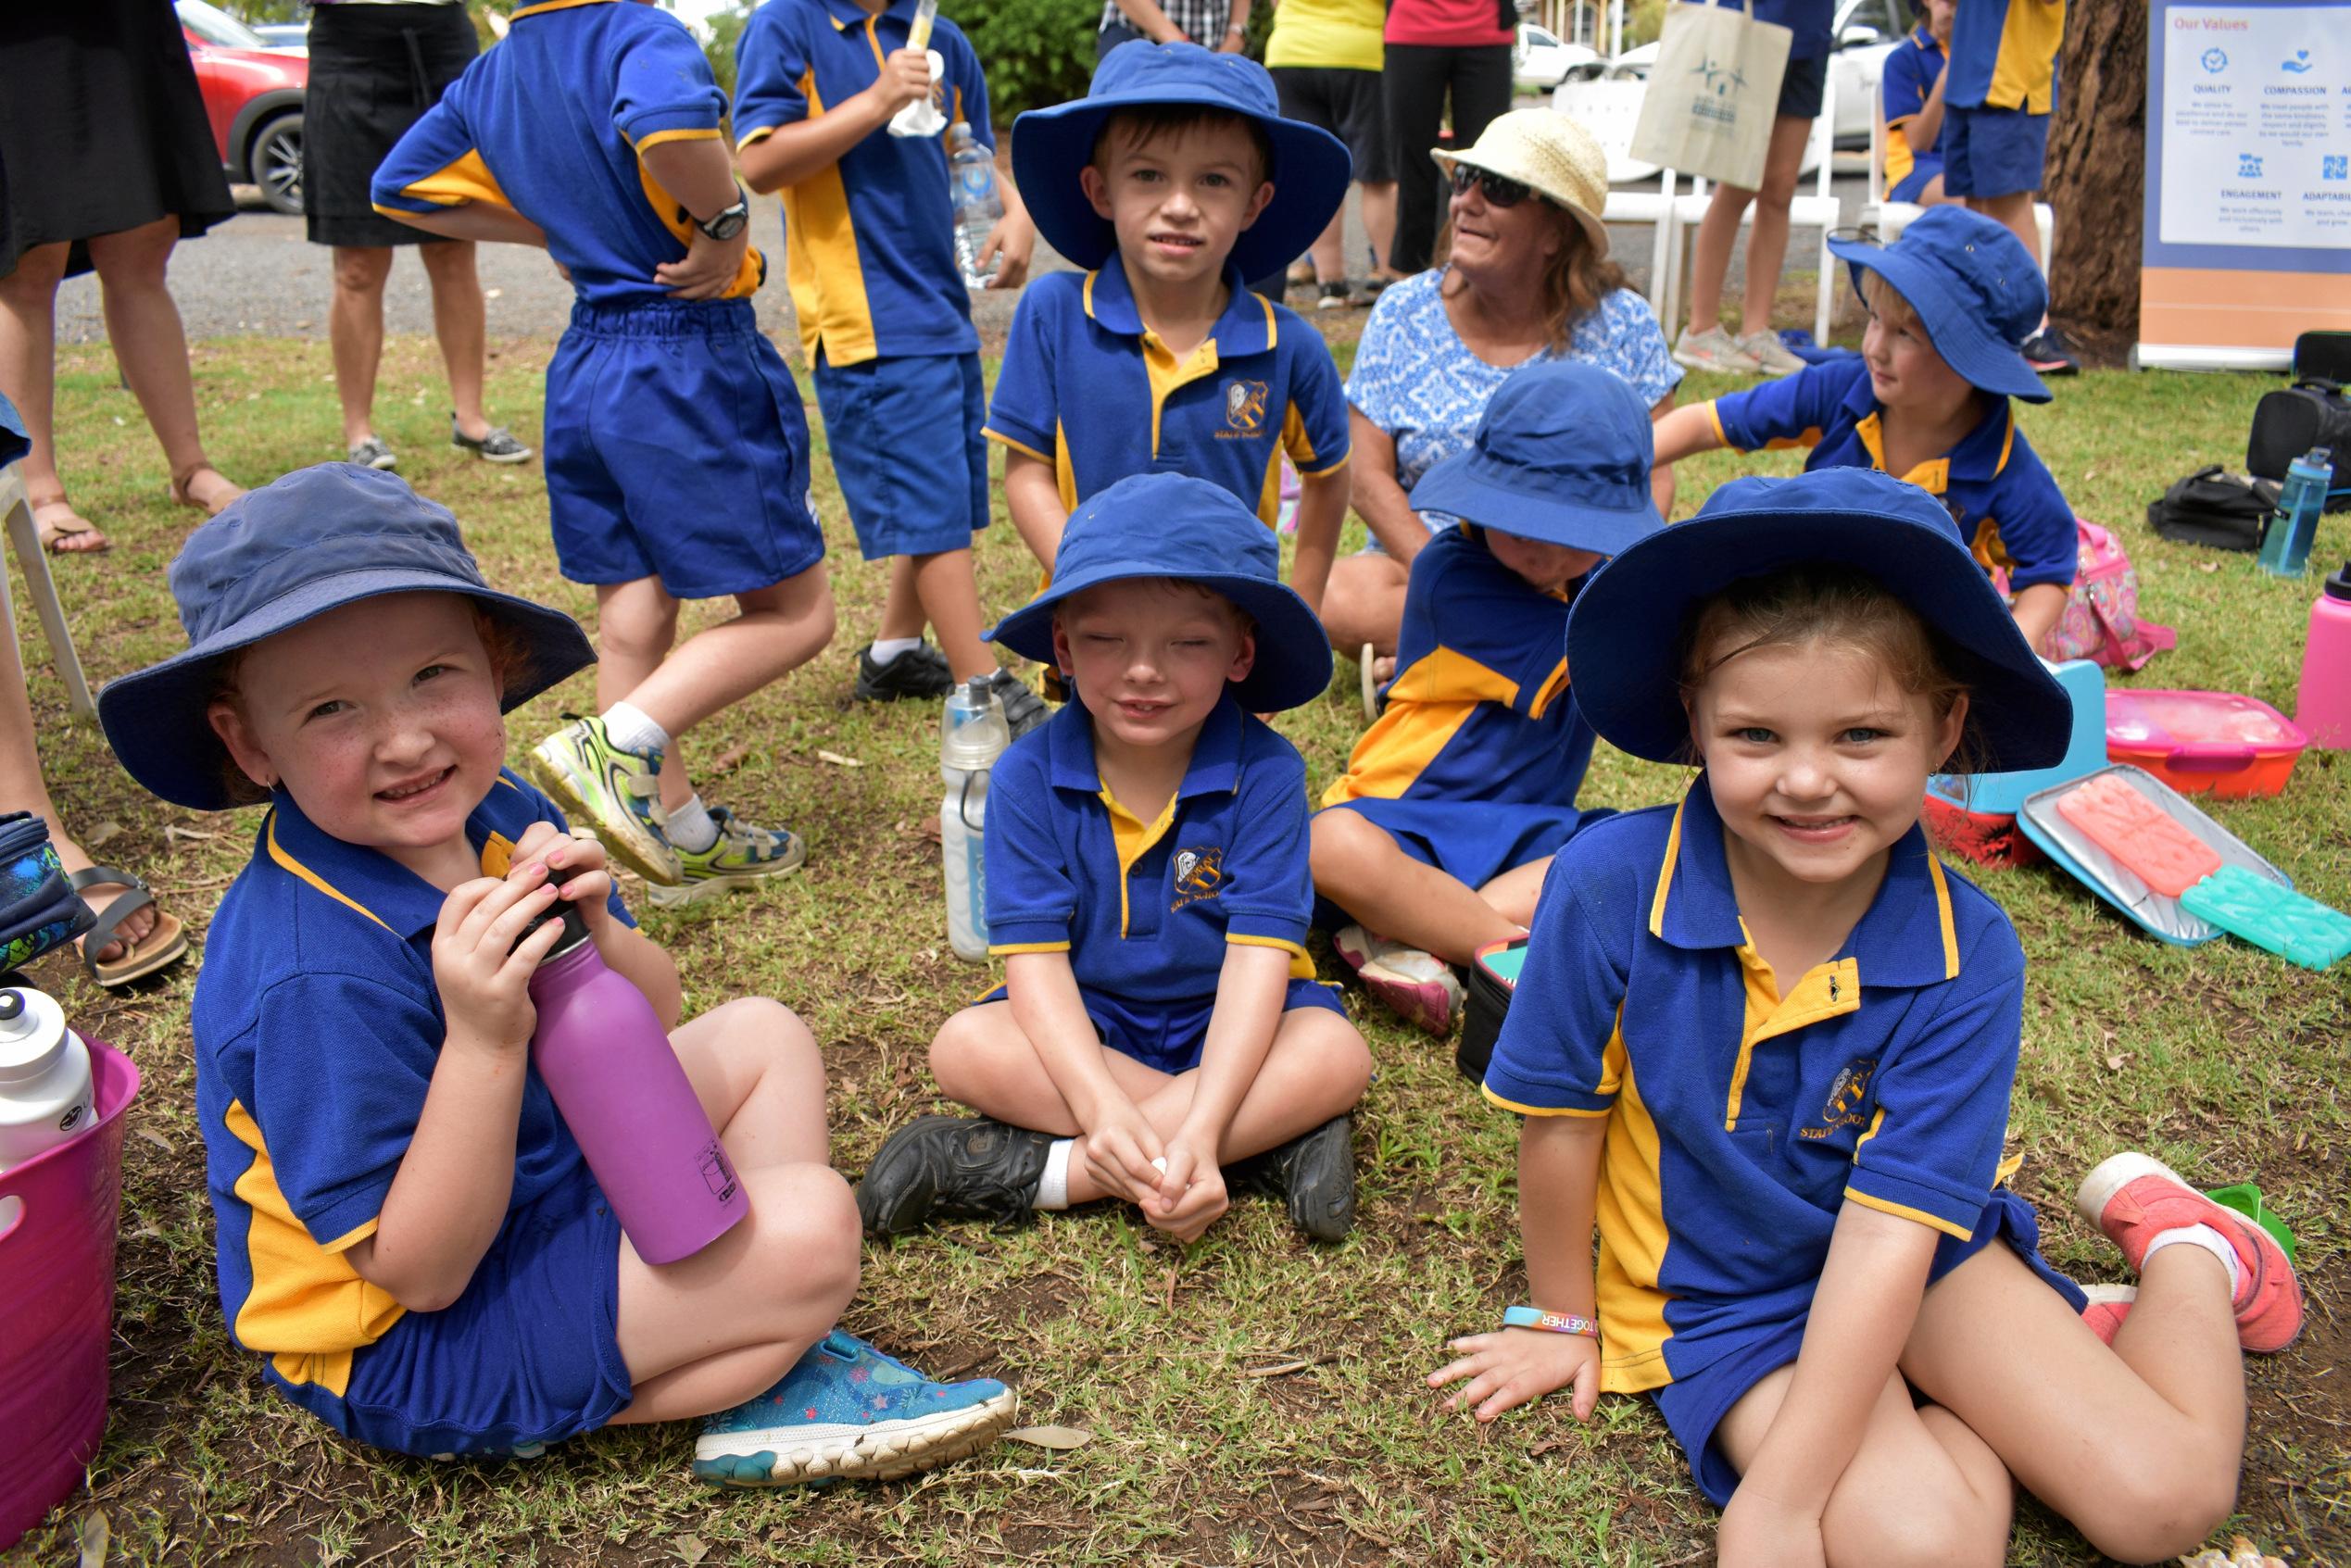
[252, 95]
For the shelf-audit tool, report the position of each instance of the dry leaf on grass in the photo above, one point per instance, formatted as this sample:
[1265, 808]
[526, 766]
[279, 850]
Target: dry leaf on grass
[691, 1548]
[728, 760]
[103, 834]
[96, 1535]
[838, 760]
[1057, 1437]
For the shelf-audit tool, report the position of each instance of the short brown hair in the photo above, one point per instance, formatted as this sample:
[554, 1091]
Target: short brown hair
[1580, 277]
[1146, 123]
[1819, 601]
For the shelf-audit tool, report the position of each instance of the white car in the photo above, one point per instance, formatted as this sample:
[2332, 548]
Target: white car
[1866, 31]
[1540, 60]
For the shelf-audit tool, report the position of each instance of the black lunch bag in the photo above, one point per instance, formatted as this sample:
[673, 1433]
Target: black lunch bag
[2313, 412]
[2214, 508]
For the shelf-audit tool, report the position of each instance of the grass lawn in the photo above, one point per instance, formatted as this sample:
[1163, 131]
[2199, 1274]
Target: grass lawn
[1249, 1399]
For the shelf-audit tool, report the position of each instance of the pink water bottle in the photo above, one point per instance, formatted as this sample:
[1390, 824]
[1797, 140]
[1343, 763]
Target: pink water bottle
[605, 1058]
[2322, 703]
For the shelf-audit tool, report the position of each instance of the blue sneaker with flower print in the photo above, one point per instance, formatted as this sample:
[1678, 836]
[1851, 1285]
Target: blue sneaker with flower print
[846, 1412]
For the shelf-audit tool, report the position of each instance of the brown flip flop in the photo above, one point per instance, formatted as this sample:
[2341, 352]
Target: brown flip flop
[158, 949]
[57, 522]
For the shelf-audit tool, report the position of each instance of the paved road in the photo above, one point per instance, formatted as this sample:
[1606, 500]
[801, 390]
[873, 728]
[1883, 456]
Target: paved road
[256, 276]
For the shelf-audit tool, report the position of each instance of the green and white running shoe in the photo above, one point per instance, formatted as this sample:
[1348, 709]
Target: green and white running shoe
[742, 858]
[617, 793]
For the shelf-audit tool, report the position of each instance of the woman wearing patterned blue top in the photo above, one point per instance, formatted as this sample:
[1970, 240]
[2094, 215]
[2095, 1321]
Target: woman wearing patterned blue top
[1523, 278]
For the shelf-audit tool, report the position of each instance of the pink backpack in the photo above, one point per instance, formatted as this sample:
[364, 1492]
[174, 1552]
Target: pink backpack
[2101, 619]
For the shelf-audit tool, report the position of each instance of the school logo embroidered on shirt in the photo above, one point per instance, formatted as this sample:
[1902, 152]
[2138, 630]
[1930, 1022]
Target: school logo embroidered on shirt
[1847, 1095]
[1244, 407]
[1199, 874]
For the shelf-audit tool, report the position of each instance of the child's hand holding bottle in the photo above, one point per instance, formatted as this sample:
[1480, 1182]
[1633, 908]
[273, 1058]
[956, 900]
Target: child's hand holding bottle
[483, 975]
[576, 864]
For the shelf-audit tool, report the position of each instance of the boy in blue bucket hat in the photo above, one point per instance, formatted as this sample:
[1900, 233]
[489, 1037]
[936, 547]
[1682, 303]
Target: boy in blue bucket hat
[1435, 841]
[408, 1233]
[1172, 181]
[1160, 1036]
[1951, 304]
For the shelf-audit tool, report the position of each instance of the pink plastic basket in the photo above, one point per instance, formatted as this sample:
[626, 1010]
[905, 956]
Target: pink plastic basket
[58, 1220]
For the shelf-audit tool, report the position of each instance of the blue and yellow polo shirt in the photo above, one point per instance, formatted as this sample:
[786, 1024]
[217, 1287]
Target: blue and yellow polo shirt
[1145, 909]
[1480, 707]
[1909, 80]
[2004, 55]
[318, 1027]
[549, 124]
[1745, 1108]
[1088, 388]
[2007, 506]
[869, 244]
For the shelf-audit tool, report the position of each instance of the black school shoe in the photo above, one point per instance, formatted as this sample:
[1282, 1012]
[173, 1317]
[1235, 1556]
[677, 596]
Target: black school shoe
[1023, 710]
[917, 672]
[952, 1168]
[2050, 355]
[1315, 1176]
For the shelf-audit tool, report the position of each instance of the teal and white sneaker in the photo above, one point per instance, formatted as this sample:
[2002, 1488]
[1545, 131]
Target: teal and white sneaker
[743, 856]
[846, 1412]
[617, 793]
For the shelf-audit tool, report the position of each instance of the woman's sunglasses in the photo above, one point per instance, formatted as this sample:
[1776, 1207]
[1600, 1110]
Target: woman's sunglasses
[1499, 191]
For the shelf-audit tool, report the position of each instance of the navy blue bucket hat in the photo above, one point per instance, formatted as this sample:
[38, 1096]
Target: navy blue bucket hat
[318, 539]
[1560, 454]
[1310, 172]
[1625, 635]
[1171, 525]
[1975, 287]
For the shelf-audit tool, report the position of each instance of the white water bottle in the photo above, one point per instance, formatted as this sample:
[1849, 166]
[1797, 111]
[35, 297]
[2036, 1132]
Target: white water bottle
[970, 185]
[974, 736]
[46, 1095]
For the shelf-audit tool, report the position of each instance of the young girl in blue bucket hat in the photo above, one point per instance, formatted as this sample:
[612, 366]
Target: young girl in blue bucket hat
[1765, 1040]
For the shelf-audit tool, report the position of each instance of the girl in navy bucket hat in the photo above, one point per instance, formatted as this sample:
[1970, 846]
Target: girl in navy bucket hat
[1767, 1039]
[408, 1238]
[1435, 841]
[1951, 304]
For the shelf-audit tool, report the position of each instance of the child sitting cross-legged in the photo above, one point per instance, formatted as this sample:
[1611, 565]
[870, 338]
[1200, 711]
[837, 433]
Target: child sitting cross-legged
[1160, 1035]
[1928, 400]
[1766, 1041]
[408, 1235]
[1435, 839]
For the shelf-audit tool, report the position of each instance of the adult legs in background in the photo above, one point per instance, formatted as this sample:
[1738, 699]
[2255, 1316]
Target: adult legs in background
[1767, 242]
[1412, 88]
[150, 344]
[28, 379]
[355, 333]
[461, 322]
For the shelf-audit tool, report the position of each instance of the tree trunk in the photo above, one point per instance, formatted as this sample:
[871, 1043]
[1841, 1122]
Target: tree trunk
[2096, 177]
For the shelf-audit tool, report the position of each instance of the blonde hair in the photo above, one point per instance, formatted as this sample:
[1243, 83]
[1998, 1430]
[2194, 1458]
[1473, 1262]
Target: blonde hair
[1886, 303]
[1580, 277]
[1821, 602]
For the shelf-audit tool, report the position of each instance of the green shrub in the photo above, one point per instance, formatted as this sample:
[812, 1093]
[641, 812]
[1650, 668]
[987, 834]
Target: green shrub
[1034, 52]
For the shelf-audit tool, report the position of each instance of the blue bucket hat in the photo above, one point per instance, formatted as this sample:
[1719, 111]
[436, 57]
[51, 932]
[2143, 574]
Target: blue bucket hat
[316, 540]
[1625, 635]
[1973, 284]
[1560, 454]
[1171, 525]
[1310, 172]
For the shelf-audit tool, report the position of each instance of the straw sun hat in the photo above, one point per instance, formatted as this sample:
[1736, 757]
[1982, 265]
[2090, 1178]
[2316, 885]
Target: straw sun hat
[1548, 153]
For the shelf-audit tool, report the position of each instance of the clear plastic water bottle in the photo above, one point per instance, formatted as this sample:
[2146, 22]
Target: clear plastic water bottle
[974, 735]
[970, 185]
[2285, 547]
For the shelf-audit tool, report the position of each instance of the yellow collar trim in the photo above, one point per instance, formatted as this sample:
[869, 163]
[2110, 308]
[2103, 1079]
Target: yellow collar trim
[277, 851]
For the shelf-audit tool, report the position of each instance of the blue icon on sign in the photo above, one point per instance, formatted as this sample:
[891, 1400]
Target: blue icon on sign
[2248, 166]
[2300, 63]
[2334, 166]
[2216, 61]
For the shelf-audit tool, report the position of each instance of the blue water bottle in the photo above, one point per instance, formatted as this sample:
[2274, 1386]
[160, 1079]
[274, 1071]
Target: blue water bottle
[2286, 546]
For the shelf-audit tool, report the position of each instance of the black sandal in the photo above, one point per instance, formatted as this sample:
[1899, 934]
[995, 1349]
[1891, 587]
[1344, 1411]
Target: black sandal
[158, 949]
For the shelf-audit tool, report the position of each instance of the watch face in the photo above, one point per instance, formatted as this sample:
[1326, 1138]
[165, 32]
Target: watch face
[728, 224]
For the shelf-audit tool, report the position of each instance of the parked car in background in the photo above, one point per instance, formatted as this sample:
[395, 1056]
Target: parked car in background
[284, 35]
[1865, 32]
[1540, 60]
[252, 95]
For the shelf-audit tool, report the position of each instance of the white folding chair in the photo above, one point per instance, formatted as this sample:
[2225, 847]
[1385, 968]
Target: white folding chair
[1608, 109]
[1819, 210]
[24, 536]
[1890, 218]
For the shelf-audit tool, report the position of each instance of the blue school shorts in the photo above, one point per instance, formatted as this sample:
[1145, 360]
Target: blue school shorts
[1922, 171]
[1803, 89]
[677, 448]
[530, 1353]
[1694, 1406]
[915, 484]
[1168, 1036]
[1993, 152]
[1471, 841]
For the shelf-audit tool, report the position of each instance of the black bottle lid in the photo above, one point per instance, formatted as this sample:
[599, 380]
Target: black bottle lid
[575, 929]
[2339, 585]
[11, 1006]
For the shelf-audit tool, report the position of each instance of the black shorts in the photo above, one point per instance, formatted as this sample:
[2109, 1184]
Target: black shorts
[1802, 88]
[1343, 102]
[375, 70]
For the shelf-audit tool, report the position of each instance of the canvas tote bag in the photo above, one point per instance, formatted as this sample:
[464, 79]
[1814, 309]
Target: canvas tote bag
[1713, 93]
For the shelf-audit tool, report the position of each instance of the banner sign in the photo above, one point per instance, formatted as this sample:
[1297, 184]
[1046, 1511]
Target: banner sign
[2248, 187]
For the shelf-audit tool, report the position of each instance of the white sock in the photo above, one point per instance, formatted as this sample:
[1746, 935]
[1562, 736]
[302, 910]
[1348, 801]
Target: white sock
[2212, 1241]
[689, 826]
[1052, 1185]
[888, 648]
[631, 729]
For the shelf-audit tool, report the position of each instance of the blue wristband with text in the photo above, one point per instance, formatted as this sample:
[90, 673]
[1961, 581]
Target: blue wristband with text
[1550, 1323]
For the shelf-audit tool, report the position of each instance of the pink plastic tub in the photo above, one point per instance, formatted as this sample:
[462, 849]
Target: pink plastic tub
[2200, 742]
[58, 1219]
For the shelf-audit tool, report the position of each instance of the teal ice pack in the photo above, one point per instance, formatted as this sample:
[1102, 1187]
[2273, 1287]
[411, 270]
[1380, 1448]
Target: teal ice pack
[2279, 920]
